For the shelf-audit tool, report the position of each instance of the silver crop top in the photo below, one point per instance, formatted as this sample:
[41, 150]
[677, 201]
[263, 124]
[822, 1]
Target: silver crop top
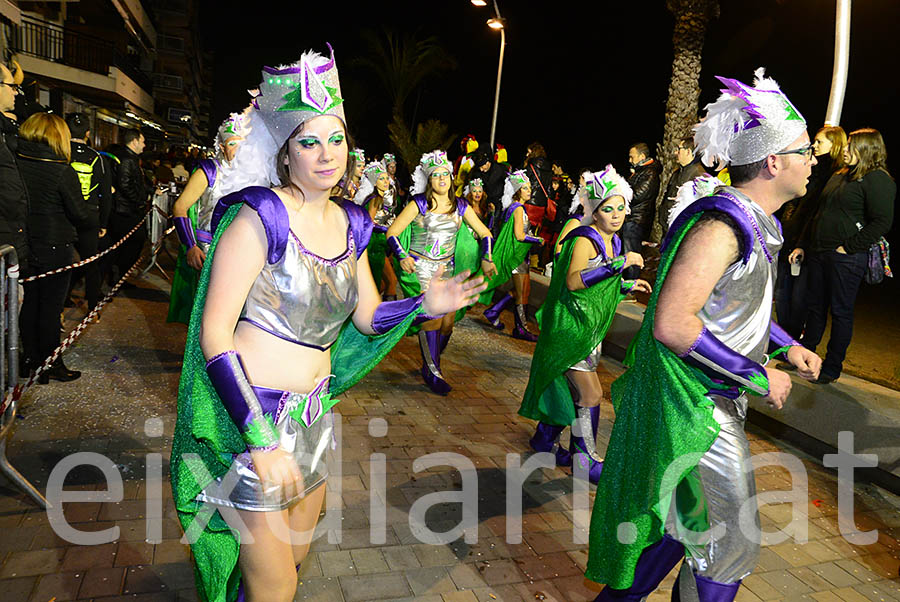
[433, 235]
[304, 298]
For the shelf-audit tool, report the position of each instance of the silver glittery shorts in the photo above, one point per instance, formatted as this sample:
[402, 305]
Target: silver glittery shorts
[591, 362]
[427, 268]
[241, 487]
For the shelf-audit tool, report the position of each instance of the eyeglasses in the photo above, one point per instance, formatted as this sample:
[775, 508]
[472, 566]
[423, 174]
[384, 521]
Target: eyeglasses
[442, 174]
[806, 151]
[16, 87]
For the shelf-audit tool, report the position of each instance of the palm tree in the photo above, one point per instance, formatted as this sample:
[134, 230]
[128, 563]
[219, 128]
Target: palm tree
[691, 19]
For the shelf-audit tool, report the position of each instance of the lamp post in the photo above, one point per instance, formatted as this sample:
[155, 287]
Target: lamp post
[496, 23]
[841, 63]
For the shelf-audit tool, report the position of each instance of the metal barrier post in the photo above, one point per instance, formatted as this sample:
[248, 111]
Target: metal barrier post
[157, 225]
[9, 284]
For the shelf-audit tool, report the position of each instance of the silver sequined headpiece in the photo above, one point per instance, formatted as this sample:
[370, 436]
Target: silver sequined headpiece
[598, 187]
[292, 94]
[237, 125]
[747, 123]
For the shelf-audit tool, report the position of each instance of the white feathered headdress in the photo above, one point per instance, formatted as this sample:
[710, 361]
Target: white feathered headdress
[427, 166]
[598, 187]
[514, 181]
[746, 123]
[692, 190]
[473, 184]
[367, 182]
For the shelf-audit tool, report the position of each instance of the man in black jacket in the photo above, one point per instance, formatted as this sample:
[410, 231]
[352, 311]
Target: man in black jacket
[644, 182]
[689, 167]
[95, 177]
[13, 197]
[130, 201]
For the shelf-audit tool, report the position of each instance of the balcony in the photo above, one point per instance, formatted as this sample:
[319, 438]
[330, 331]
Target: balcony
[48, 42]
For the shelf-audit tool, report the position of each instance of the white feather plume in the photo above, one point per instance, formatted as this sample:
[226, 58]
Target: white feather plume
[691, 191]
[508, 191]
[714, 135]
[362, 193]
[419, 180]
[254, 162]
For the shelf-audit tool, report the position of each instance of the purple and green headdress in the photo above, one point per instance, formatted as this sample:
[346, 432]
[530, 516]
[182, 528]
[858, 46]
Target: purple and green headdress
[601, 185]
[747, 123]
[237, 125]
[389, 158]
[474, 184]
[358, 154]
[514, 181]
[292, 94]
[367, 182]
[428, 164]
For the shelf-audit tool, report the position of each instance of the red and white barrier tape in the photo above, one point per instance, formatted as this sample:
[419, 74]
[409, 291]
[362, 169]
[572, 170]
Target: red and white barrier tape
[20, 389]
[78, 264]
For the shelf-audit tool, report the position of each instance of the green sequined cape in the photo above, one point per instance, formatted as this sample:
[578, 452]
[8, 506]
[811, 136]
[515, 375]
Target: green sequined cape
[204, 429]
[572, 324]
[662, 413]
[184, 281]
[508, 253]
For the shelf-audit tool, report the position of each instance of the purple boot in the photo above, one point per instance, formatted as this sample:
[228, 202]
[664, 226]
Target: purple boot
[583, 445]
[707, 589]
[546, 439]
[520, 331]
[652, 567]
[445, 338]
[492, 314]
[430, 346]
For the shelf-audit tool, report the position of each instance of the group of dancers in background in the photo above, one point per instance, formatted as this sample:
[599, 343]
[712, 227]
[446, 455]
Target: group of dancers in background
[301, 270]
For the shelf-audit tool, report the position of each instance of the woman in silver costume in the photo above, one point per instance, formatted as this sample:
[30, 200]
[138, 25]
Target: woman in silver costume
[435, 217]
[287, 273]
[376, 196]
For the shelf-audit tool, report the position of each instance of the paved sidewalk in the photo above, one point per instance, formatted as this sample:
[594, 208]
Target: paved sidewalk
[131, 362]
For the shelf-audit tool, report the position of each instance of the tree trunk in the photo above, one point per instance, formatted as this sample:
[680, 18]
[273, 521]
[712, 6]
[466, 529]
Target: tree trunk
[691, 18]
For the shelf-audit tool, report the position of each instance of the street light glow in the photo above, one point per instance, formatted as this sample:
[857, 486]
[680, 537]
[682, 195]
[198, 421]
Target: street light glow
[479, 2]
[495, 23]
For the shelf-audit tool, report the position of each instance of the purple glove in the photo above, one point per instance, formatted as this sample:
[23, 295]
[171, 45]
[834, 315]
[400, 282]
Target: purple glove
[534, 240]
[592, 276]
[390, 313]
[396, 248]
[723, 364]
[379, 228]
[185, 232]
[778, 338]
[487, 248]
[256, 424]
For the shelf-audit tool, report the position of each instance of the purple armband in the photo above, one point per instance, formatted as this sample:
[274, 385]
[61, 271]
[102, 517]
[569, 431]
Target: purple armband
[390, 313]
[185, 231]
[379, 228]
[396, 248]
[487, 248]
[257, 426]
[533, 240]
[778, 337]
[724, 365]
[592, 276]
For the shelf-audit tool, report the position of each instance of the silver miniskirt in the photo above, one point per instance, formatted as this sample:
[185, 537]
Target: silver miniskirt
[591, 362]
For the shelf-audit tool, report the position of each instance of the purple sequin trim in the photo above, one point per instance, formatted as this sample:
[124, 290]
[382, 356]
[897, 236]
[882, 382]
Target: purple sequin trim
[756, 230]
[281, 402]
[220, 355]
[693, 346]
[351, 246]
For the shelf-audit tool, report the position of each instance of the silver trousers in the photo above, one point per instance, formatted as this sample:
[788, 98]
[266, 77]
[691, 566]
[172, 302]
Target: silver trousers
[723, 482]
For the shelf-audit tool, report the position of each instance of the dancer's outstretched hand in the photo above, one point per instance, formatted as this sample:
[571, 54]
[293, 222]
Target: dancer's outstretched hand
[445, 296]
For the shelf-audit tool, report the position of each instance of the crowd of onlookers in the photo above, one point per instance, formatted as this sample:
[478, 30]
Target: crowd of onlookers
[60, 197]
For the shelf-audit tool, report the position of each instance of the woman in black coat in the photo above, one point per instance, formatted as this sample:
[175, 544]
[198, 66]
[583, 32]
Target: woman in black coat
[57, 211]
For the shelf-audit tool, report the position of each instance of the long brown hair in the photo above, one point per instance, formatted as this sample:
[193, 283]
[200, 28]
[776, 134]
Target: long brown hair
[838, 139]
[868, 145]
[51, 130]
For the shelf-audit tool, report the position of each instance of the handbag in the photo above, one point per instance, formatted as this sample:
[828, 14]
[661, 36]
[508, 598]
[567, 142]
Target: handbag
[551, 204]
[878, 260]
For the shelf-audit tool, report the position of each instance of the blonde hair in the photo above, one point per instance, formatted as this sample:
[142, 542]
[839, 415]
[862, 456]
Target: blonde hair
[838, 139]
[51, 130]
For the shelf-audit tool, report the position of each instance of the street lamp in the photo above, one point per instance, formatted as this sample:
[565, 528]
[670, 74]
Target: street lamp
[497, 24]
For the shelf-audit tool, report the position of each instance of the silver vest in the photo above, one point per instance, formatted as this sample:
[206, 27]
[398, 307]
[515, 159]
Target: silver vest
[206, 204]
[304, 298]
[433, 235]
[739, 310]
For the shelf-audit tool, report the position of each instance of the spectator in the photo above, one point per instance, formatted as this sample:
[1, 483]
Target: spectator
[689, 167]
[130, 202]
[95, 178]
[57, 215]
[796, 216]
[181, 174]
[644, 182]
[13, 194]
[162, 171]
[493, 177]
[540, 213]
[856, 209]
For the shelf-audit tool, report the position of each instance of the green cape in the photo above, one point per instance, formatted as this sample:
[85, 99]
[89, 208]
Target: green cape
[184, 281]
[204, 428]
[662, 413]
[508, 253]
[572, 324]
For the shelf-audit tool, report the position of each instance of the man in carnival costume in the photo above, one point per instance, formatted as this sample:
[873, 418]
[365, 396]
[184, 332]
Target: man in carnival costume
[702, 348]
[192, 213]
[276, 332]
[563, 388]
[511, 256]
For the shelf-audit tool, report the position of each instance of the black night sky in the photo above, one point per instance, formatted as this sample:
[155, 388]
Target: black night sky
[585, 79]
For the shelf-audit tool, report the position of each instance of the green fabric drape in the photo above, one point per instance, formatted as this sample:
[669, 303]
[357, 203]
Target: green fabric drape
[572, 324]
[184, 281]
[508, 253]
[205, 432]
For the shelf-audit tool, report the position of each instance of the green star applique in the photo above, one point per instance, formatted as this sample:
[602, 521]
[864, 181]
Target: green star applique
[792, 114]
[294, 101]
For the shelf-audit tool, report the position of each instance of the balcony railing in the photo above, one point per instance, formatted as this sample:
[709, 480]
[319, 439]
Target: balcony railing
[71, 48]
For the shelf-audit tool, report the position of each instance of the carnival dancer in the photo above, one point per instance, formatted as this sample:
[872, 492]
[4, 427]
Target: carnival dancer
[511, 256]
[678, 462]
[474, 194]
[376, 196]
[193, 209]
[350, 183]
[280, 324]
[427, 239]
[563, 388]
